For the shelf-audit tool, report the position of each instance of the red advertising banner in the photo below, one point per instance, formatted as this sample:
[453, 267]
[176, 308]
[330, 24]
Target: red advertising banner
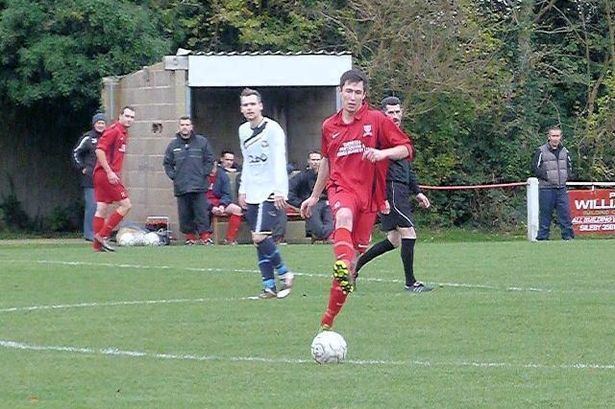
[593, 211]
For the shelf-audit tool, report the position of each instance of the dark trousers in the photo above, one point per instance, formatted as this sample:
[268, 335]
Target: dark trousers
[193, 209]
[279, 228]
[320, 224]
[549, 199]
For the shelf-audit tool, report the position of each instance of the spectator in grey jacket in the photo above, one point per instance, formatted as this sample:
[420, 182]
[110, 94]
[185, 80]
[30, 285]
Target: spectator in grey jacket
[84, 159]
[552, 166]
[187, 162]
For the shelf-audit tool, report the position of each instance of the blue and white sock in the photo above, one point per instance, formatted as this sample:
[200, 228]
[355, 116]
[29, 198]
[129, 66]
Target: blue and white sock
[265, 266]
[269, 248]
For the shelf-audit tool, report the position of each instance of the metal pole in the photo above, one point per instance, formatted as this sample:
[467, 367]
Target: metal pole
[532, 208]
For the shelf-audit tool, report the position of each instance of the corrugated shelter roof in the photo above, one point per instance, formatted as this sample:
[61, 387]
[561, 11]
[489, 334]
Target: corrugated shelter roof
[258, 53]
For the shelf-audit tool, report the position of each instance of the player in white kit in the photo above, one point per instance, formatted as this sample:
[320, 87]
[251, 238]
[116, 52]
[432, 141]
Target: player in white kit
[264, 189]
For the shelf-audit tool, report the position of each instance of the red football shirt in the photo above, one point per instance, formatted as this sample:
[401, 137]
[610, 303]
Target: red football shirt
[113, 143]
[343, 146]
[211, 180]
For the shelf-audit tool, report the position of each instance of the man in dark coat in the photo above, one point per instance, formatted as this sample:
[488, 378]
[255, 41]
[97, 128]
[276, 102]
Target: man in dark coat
[84, 159]
[187, 162]
[320, 223]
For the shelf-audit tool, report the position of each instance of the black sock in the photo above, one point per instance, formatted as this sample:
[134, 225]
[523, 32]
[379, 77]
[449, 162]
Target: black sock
[407, 258]
[374, 251]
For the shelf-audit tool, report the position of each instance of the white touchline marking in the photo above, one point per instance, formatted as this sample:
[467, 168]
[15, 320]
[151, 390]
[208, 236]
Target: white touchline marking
[315, 275]
[119, 303]
[113, 351]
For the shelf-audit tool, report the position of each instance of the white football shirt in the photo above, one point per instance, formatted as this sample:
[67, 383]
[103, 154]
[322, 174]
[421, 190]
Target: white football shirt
[264, 161]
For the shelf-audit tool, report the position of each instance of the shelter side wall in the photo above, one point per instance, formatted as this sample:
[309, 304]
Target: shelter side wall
[159, 98]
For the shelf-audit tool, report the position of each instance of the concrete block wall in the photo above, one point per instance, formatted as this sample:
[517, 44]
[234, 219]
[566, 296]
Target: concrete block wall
[159, 98]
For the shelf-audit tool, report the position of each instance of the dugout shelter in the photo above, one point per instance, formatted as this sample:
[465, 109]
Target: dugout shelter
[299, 90]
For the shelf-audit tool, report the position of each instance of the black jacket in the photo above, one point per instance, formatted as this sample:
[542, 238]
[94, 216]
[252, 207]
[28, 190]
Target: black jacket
[188, 163]
[84, 157]
[300, 187]
[401, 171]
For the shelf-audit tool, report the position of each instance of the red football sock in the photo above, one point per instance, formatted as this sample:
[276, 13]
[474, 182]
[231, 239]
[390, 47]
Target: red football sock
[110, 224]
[233, 227]
[204, 235]
[343, 247]
[344, 251]
[337, 298]
[97, 224]
[190, 236]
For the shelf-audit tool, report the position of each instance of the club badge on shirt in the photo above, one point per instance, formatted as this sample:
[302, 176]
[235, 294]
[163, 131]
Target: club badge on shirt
[367, 130]
[122, 147]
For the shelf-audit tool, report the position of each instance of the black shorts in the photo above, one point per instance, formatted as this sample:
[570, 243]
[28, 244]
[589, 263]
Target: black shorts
[398, 195]
[262, 217]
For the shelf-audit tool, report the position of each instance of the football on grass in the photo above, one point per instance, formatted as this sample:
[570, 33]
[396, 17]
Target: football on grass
[329, 347]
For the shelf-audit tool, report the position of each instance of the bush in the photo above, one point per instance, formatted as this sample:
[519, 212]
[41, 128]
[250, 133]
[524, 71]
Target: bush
[13, 215]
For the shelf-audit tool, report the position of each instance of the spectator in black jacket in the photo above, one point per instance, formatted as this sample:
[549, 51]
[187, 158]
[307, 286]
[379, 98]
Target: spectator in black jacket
[398, 223]
[84, 159]
[320, 224]
[188, 161]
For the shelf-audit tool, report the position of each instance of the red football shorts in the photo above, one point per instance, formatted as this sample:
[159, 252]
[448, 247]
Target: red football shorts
[214, 201]
[362, 219]
[105, 192]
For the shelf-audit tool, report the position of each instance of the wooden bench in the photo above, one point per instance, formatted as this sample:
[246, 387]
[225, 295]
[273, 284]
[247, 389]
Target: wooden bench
[295, 229]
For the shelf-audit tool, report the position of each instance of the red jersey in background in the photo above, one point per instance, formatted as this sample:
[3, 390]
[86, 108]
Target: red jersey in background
[113, 143]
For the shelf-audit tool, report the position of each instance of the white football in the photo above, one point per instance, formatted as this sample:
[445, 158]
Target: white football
[329, 347]
[126, 238]
[151, 239]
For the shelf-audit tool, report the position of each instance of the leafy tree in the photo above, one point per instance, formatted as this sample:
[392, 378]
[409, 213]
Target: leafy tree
[480, 79]
[560, 54]
[53, 55]
[253, 25]
[58, 50]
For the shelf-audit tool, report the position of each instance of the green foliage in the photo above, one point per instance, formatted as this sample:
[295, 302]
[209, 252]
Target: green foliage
[61, 49]
[13, 215]
[480, 80]
[595, 149]
[64, 218]
[239, 25]
[558, 55]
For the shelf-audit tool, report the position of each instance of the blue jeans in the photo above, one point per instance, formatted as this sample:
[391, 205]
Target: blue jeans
[549, 199]
[88, 214]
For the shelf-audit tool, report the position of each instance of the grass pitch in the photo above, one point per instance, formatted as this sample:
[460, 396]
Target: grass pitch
[511, 325]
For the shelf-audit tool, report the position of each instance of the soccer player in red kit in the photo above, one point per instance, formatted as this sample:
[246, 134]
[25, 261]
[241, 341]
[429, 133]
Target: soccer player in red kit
[357, 143]
[108, 187]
